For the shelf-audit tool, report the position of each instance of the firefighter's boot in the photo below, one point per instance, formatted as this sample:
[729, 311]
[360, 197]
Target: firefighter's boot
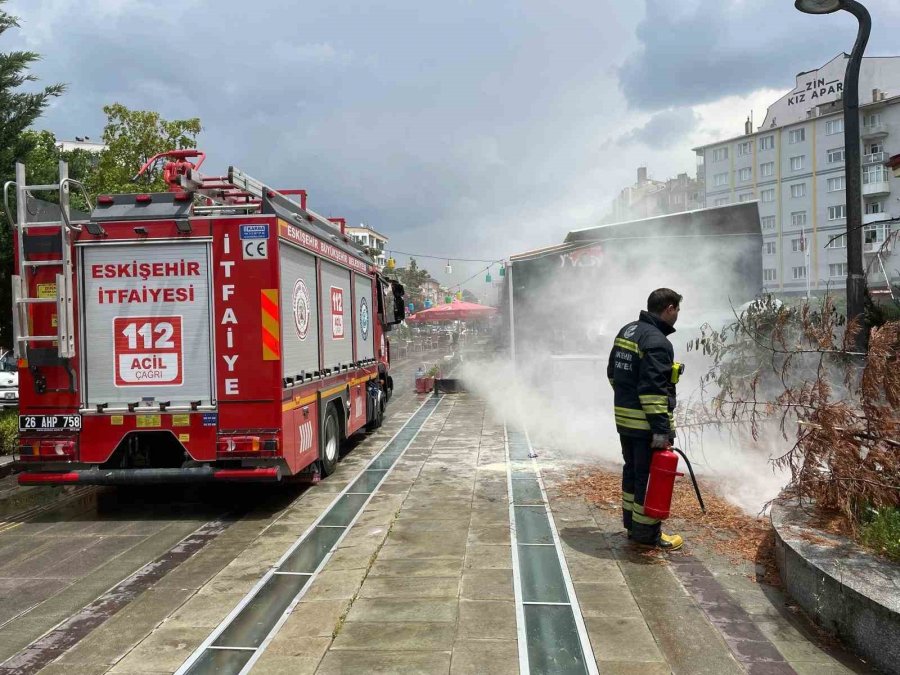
[665, 542]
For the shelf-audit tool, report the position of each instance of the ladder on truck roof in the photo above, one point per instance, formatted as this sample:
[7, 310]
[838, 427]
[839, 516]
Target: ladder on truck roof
[28, 243]
[240, 191]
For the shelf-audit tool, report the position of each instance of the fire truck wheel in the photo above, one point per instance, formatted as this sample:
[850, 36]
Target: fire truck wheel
[387, 385]
[378, 414]
[331, 443]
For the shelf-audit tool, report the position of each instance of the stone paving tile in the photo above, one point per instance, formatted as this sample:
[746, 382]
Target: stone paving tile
[611, 600]
[313, 618]
[488, 556]
[486, 620]
[420, 636]
[477, 657]
[385, 663]
[163, 651]
[436, 567]
[489, 584]
[416, 587]
[397, 609]
[621, 639]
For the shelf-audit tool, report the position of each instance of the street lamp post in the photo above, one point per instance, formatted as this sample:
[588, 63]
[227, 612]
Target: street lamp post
[856, 279]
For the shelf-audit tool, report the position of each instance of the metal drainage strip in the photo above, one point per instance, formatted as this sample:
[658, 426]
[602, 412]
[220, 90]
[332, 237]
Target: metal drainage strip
[241, 638]
[552, 635]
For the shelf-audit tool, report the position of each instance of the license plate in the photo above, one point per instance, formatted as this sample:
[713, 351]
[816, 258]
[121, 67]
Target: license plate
[49, 422]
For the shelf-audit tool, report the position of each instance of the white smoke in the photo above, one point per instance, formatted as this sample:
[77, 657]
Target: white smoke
[560, 390]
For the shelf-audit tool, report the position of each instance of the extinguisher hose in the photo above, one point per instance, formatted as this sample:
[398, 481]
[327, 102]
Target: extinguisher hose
[693, 478]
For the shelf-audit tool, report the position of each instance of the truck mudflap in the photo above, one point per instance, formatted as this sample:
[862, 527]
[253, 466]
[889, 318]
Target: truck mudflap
[150, 476]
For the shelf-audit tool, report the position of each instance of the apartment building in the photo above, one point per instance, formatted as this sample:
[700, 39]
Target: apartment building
[648, 198]
[793, 165]
[375, 241]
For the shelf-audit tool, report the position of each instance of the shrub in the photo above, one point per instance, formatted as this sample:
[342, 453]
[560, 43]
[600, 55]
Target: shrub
[9, 431]
[881, 531]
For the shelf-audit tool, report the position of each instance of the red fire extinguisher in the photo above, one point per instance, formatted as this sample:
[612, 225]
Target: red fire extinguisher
[661, 484]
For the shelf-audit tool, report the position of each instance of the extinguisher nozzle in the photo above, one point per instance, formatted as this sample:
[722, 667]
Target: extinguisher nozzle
[693, 479]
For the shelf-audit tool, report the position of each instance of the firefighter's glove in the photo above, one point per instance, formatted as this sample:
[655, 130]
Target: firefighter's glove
[660, 441]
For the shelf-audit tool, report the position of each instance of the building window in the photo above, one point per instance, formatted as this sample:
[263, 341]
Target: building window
[836, 184]
[797, 163]
[721, 201]
[746, 197]
[833, 127]
[836, 270]
[767, 169]
[872, 119]
[767, 143]
[769, 274]
[873, 148]
[875, 173]
[798, 190]
[796, 135]
[838, 212]
[767, 195]
[767, 222]
[720, 154]
[720, 179]
[835, 155]
[745, 174]
[745, 148]
[769, 248]
[875, 234]
[875, 207]
[798, 218]
[798, 245]
[799, 272]
[839, 241]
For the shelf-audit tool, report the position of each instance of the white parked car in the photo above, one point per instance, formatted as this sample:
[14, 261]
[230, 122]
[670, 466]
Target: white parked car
[9, 381]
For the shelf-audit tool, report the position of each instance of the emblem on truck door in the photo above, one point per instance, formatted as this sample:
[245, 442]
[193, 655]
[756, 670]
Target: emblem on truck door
[364, 318]
[300, 303]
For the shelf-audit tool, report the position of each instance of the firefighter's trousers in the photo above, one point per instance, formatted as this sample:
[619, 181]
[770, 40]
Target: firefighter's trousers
[637, 454]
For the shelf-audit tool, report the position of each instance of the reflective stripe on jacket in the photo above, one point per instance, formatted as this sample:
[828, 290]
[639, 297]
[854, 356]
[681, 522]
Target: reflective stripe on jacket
[640, 371]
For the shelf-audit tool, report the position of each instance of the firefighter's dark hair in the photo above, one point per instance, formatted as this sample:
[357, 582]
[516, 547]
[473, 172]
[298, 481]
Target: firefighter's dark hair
[662, 298]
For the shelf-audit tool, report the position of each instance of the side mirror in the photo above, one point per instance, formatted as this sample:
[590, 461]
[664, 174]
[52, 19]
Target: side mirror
[399, 308]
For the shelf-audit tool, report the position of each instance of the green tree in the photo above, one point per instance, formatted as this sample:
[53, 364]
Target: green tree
[412, 277]
[469, 296]
[18, 111]
[131, 138]
[42, 165]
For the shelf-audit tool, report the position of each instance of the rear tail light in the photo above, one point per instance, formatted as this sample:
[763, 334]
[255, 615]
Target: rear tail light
[143, 199]
[236, 446]
[48, 449]
[105, 200]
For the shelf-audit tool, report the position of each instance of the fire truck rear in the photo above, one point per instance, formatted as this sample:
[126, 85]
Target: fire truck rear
[218, 331]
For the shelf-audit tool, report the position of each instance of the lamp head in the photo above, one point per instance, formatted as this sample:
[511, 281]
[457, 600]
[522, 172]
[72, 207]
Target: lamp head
[818, 6]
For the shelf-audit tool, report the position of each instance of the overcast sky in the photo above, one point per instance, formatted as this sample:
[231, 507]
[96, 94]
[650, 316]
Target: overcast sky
[468, 128]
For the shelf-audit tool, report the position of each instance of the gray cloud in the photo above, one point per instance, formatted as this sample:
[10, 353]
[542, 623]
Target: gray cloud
[702, 50]
[664, 129]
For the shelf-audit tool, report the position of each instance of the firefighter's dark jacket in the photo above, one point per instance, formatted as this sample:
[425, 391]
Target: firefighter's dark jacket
[640, 369]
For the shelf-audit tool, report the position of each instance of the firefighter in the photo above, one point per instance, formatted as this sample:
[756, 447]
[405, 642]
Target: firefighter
[643, 373]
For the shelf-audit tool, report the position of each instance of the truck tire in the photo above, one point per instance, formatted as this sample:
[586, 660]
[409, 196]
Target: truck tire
[330, 444]
[378, 413]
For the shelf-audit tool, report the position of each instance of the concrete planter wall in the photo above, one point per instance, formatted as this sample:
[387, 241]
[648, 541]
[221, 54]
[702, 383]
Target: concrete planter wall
[847, 591]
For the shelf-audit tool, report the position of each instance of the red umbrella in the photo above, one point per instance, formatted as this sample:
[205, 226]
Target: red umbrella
[457, 310]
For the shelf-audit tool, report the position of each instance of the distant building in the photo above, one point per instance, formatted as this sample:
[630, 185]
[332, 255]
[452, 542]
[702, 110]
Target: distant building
[648, 198]
[369, 238]
[431, 290]
[793, 165]
[85, 144]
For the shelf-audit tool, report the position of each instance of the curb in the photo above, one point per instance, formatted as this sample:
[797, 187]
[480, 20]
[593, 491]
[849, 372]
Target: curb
[845, 590]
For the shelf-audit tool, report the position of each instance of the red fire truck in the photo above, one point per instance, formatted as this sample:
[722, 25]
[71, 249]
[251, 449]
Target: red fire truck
[218, 331]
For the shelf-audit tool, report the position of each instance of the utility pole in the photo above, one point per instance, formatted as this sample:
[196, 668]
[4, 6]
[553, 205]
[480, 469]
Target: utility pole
[856, 277]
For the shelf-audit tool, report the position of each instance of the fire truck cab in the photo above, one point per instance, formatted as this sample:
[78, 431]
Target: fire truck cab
[217, 331]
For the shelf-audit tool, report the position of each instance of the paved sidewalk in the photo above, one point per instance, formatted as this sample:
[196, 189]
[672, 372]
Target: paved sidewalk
[423, 581]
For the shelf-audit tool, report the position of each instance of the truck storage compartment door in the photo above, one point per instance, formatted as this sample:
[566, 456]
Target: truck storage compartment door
[299, 312]
[365, 313]
[336, 330]
[147, 335]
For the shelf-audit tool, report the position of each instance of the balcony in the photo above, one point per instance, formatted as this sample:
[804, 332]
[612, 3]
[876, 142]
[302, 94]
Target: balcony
[875, 188]
[874, 131]
[875, 158]
[875, 247]
[869, 218]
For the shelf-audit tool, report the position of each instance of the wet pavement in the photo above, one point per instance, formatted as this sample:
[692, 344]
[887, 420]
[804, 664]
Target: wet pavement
[424, 580]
